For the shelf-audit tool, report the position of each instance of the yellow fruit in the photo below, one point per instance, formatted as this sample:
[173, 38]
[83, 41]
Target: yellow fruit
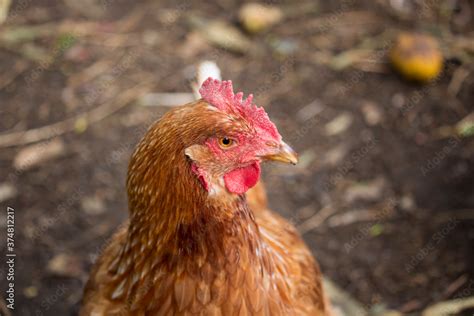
[417, 57]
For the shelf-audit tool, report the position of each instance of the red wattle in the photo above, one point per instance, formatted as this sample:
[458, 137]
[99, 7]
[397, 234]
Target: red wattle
[241, 179]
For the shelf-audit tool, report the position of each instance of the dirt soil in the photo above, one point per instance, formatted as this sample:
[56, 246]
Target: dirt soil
[394, 194]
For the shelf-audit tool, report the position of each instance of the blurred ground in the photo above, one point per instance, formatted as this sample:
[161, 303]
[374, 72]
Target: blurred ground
[384, 193]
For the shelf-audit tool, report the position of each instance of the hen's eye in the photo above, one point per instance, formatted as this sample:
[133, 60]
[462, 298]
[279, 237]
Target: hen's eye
[225, 142]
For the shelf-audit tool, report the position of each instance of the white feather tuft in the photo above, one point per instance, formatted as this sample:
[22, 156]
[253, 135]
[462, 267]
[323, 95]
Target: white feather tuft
[205, 69]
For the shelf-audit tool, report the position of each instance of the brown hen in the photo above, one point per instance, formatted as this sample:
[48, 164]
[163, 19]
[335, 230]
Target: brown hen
[199, 241]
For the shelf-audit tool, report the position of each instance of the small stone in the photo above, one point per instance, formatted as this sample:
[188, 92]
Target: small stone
[339, 125]
[256, 17]
[309, 111]
[372, 113]
[64, 265]
[284, 47]
[407, 202]
[93, 205]
[31, 291]
[7, 192]
[398, 100]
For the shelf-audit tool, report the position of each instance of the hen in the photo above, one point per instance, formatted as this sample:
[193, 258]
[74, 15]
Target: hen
[199, 239]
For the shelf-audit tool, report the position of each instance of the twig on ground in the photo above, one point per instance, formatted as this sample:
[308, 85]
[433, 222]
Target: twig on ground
[454, 286]
[452, 307]
[352, 217]
[316, 220]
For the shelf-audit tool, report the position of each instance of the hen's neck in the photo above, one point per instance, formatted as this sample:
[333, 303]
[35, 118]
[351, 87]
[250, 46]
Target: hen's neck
[206, 235]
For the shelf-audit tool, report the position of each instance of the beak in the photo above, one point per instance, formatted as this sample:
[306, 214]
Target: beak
[284, 154]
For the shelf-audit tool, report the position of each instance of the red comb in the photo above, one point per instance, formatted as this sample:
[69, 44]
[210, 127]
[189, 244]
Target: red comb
[221, 95]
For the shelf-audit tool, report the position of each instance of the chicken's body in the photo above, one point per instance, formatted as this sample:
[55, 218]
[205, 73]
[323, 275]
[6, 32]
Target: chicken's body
[190, 251]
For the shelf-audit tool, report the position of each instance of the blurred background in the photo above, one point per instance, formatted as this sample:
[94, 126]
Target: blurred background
[376, 96]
